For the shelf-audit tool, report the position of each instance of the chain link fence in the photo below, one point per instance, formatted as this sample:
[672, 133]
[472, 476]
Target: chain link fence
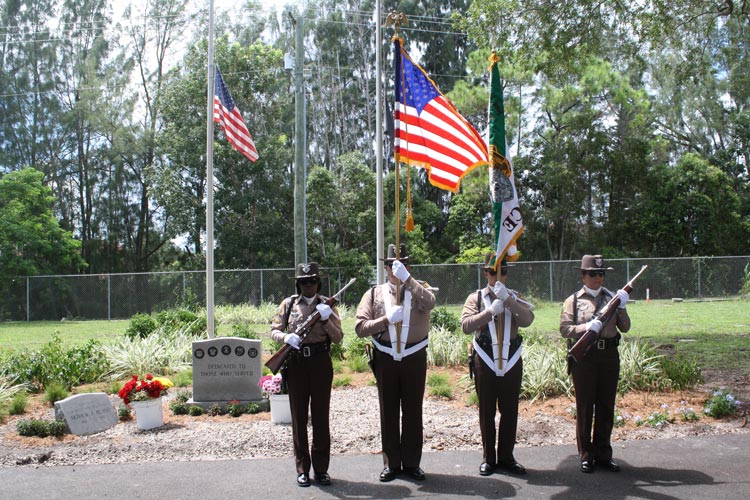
[119, 296]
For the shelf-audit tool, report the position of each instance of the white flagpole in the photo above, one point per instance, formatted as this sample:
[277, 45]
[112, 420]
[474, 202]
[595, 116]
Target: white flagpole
[210, 177]
[379, 236]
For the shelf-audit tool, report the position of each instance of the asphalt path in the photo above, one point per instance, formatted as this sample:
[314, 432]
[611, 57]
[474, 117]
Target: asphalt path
[716, 467]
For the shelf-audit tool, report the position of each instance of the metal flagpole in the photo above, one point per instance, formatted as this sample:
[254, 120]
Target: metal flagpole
[379, 236]
[210, 177]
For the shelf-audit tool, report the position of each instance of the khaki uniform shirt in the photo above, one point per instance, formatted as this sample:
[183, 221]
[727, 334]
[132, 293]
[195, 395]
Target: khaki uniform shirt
[321, 331]
[587, 306]
[474, 320]
[371, 318]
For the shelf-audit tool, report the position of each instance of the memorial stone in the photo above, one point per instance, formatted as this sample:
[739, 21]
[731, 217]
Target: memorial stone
[226, 369]
[86, 413]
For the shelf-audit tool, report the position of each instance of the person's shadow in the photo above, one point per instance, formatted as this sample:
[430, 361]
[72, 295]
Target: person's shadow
[630, 482]
[436, 484]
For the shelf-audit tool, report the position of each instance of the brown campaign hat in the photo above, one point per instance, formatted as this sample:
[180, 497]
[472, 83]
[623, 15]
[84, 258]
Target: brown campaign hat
[593, 263]
[488, 262]
[403, 256]
[307, 270]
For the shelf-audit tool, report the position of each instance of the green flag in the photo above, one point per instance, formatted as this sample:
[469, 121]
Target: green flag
[507, 216]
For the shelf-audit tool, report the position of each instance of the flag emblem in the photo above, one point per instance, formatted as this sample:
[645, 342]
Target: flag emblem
[228, 116]
[429, 131]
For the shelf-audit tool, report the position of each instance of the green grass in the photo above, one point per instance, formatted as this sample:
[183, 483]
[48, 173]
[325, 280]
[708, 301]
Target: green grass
[715, 333]
[20, 335]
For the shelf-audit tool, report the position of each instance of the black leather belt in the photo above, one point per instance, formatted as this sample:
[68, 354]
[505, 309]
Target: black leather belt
[307, 350]
[602, 344]
[484, 341]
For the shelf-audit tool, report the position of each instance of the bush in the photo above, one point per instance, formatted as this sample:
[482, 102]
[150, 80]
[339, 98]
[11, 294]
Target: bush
[18, 404]
[182, 396]
[163, 351]
[244, 331]
[178, 408]
[40, 428]
[124, 412]
[235, 409]
[446, 348]
[358, 364]
[55, 392]
[344, 380]
[253, 408]
[71, 367]
[196, 411]
[641, 368]
[141, 326]
[441, 317]
[722, 404]
[683, 372]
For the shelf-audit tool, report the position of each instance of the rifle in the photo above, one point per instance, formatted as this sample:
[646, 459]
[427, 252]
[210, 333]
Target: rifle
[276, 361]
[583, 344]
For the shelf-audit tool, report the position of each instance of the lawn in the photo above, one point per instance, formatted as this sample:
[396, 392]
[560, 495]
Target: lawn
[716, 333]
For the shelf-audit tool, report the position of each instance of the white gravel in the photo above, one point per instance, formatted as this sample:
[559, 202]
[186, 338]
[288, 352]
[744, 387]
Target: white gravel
[355, 429]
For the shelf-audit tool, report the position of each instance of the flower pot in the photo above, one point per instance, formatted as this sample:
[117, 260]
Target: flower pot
[148, 414]
[281, 413]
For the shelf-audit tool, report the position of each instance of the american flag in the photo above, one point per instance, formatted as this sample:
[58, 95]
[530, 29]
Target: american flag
[430, 133]
[228, 116]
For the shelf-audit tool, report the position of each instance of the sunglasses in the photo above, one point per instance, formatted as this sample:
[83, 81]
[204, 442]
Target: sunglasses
[594, 274]
[308, 281]
[503, 271]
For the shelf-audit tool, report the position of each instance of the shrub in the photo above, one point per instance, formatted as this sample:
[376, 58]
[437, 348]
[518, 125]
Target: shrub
[243, 331]
[178, 408]
[545, 370]
[54, 392]
[163, 351]
[683, 372]
[253, 408]
[441, 317]
[18, 404]
[7, 391]
[640, 368]
[214, 410]
[196, 411]
[71, 367]
[446, 348]
[344, 380]
[124, 412]
[358, 364]
[182, 396]
[338, 367]
[721, 404]
[441, 391]
[355, 346]
[235, 409]
[40, 428]
[141, 326]
[434, 379]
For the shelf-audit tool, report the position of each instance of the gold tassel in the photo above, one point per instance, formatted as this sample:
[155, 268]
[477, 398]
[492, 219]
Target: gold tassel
[409, 224]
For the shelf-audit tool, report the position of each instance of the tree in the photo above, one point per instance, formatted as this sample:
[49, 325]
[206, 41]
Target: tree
[31, 240]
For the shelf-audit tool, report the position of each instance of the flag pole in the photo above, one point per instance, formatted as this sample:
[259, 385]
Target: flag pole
[379, 226]
[397, 19]
[210, 178]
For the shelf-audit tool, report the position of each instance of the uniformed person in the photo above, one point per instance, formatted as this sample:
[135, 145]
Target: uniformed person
[493, 315]
[308, 373]
[595, 377]
[398, 326]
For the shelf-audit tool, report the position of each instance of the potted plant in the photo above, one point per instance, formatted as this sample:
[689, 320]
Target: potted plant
[144, 395]
[274, 388]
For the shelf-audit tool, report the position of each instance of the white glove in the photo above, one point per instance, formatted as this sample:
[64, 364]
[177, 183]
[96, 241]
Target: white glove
[501, 292]
[293, 340]
[496, 307]
[324, 310]
[594, 325]
[396, 315]
[624, 297]
[399, 271]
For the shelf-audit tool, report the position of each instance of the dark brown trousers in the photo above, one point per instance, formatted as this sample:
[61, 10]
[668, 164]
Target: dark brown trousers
[309, 381]
[400, 393]
[595, 381]
[498, 394]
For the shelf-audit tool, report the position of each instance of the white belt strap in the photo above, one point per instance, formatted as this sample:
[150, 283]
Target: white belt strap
[496, 353]
[389, 306]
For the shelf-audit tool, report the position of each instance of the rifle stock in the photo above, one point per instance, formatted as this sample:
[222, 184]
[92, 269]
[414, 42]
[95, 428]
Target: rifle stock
[583, 344]
[276, 361]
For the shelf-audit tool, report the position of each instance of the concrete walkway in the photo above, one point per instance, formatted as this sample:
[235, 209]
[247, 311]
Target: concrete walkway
[716, 467]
